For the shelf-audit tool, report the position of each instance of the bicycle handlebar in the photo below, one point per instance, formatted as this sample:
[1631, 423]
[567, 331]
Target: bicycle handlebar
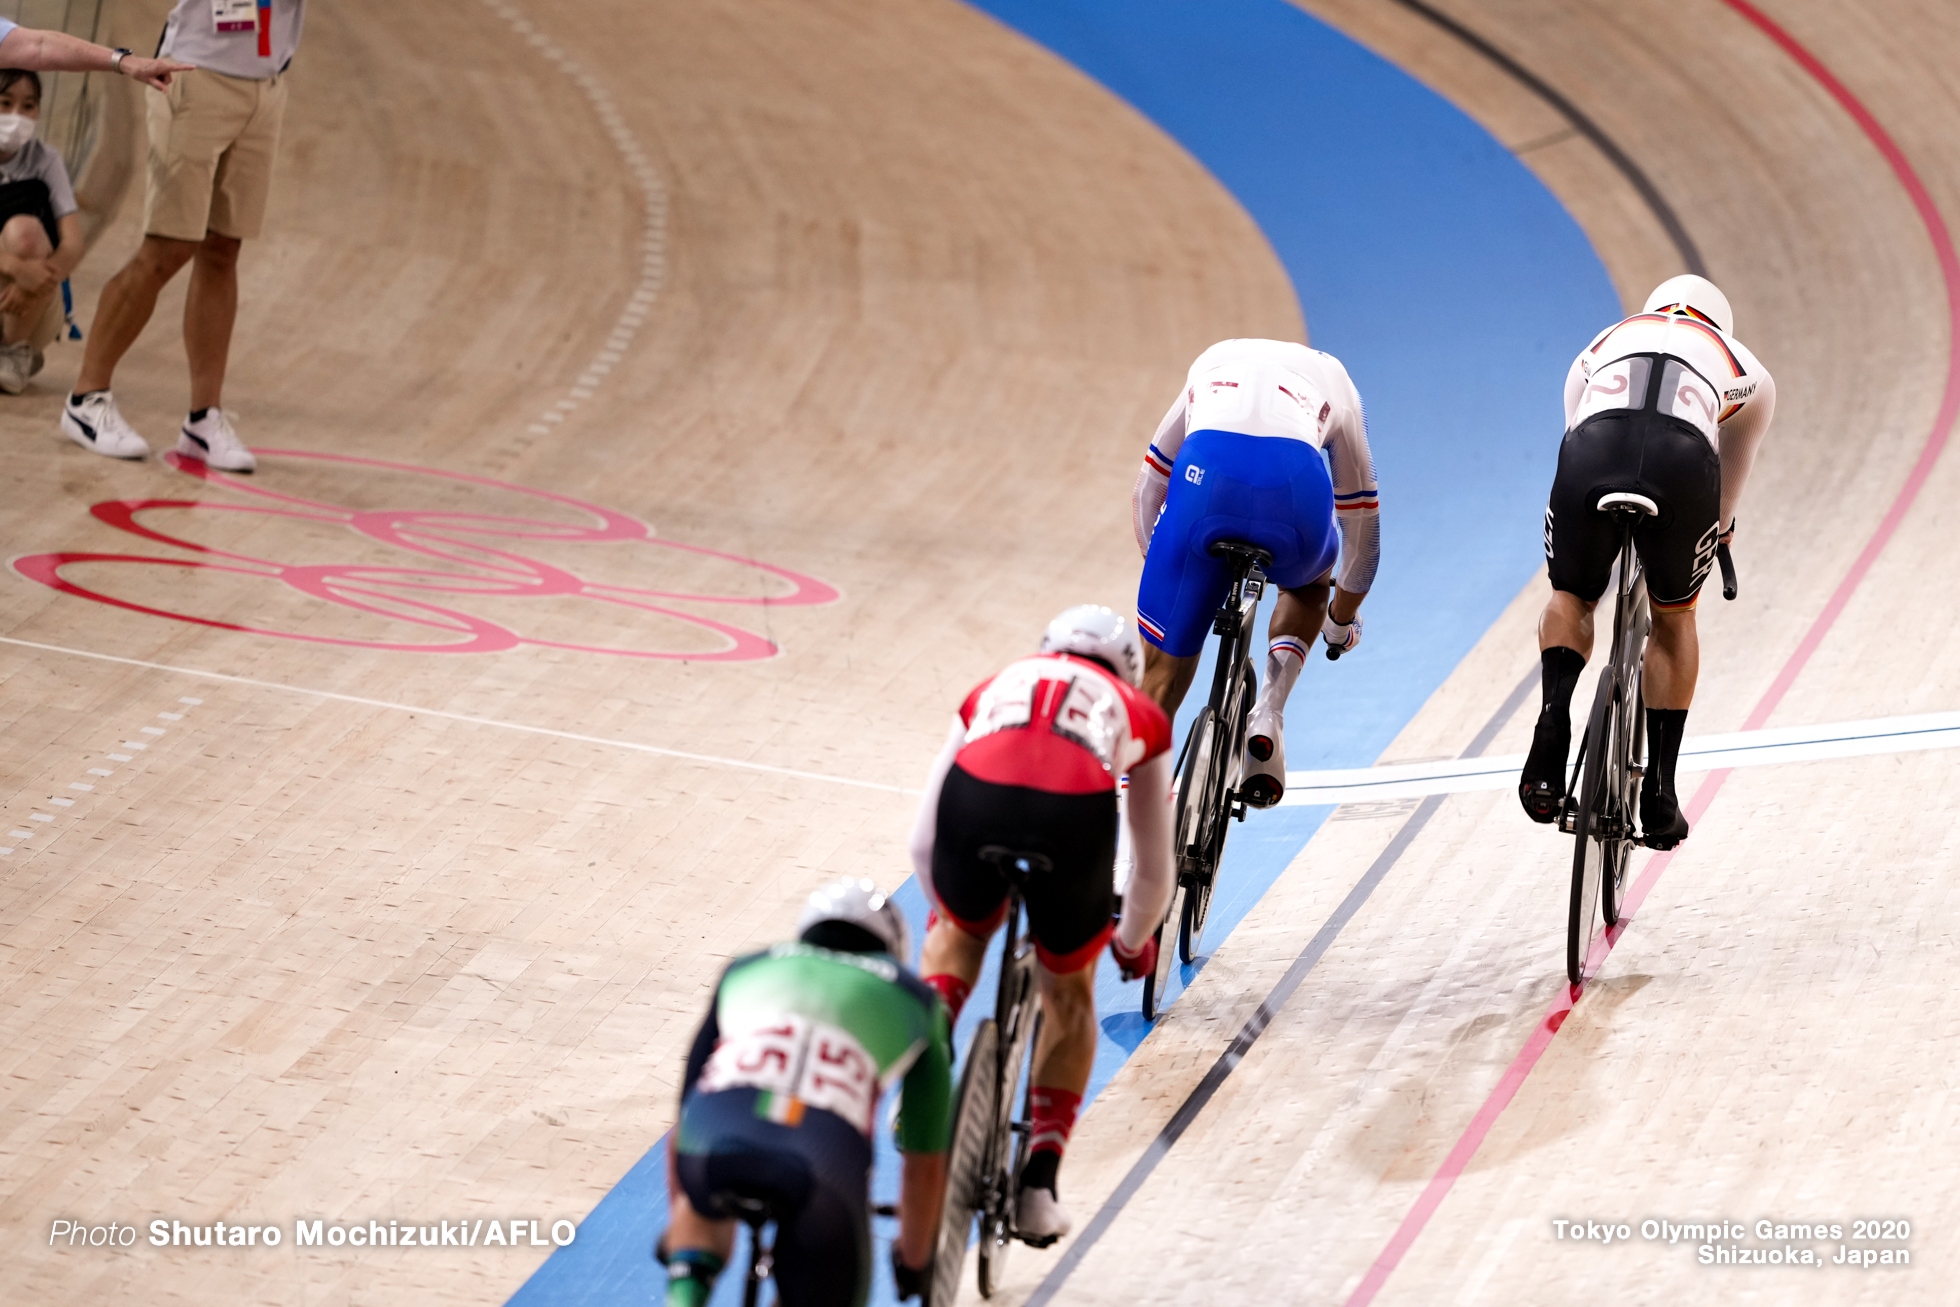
[1728, 570]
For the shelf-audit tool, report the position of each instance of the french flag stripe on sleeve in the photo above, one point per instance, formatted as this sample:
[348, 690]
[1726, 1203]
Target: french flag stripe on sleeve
[1156, 461]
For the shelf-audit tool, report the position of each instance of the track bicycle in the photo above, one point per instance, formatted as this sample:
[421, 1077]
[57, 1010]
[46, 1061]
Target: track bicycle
[1602, 797]
[990, 1145]
[1210, 768]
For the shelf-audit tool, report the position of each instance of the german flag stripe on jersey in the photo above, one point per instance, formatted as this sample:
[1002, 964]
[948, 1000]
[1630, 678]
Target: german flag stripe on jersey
[1679, 320]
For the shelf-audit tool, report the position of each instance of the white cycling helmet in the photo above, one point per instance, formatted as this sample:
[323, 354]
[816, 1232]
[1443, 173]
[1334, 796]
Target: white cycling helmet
[1688, 292]
[1095, 632]
[860, 903]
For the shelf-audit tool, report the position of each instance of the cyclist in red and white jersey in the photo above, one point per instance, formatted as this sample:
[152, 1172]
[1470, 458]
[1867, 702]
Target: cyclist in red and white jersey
[1032, 763]
[1666, 404]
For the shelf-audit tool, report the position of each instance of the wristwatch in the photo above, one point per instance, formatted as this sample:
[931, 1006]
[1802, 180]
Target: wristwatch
[117, 55]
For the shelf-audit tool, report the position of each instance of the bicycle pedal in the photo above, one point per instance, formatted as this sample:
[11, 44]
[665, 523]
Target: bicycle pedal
[1037, 1240]
[1568, 816]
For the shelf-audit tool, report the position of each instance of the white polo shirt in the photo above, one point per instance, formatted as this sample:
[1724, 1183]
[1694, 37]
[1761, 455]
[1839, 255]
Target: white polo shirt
[191, 36]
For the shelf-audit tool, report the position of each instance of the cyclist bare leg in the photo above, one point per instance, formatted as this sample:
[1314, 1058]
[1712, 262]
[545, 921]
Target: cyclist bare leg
[1063, 1058]
[1297, 613]
[1668, 687]
[693, 1248]
[1565, 640]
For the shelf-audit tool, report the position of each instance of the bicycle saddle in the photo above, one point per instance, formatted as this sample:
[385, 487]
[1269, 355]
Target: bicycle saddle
[1626, 499]
[750, 1209]
[1240, 549]
[1015, 860]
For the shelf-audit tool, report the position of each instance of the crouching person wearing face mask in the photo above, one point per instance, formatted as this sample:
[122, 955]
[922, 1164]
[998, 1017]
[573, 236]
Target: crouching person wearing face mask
[40, 232]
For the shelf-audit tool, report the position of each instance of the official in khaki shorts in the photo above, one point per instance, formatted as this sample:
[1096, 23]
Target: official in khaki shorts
[213, 138]
[212, 141]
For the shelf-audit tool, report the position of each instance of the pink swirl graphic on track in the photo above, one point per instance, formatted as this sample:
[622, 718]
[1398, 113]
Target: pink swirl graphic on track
[473, 554]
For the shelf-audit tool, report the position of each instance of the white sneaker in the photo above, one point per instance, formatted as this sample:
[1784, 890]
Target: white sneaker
[212, 441]
[1039, 1216]
[1265, 760]
[93, 422]
[18, 362]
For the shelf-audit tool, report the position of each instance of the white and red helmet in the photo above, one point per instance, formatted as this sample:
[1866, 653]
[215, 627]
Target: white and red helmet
[860, 903]
[1097, 632]
[1694, 295]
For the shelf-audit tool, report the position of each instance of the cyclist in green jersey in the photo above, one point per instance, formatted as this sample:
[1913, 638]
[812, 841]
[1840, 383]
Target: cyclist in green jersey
[781, 1098]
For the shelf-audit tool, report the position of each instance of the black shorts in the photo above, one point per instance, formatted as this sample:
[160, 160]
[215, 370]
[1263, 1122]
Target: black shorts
[815, 1174]
[1070, 908]
[1648, 454]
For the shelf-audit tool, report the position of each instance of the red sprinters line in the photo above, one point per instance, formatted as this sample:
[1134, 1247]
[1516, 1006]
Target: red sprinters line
[1541, 1039]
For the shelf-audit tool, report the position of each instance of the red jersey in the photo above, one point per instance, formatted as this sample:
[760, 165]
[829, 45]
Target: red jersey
[1059, 724]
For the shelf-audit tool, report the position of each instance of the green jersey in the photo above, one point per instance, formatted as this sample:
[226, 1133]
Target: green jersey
[813, 1028]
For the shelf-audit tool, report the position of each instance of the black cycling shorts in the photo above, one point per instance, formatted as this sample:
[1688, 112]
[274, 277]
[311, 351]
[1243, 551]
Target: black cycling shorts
[1071, 907]
[815, 1175]
[1649, 454]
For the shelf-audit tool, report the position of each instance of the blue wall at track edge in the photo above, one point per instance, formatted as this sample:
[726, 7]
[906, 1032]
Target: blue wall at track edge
[1456, 290]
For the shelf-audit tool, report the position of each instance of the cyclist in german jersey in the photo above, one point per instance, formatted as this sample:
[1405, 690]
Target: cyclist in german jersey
[1032, 763]
[1266, 444]
[1667, 404]
[781, 1098]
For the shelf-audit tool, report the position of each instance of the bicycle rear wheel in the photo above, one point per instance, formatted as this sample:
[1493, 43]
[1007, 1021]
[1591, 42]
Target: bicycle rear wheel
[974, 1118]
[1157, 984]
[1193, 785]
[1003, 1163]
[1588, 850]
[1623, 794]
[1228, 769]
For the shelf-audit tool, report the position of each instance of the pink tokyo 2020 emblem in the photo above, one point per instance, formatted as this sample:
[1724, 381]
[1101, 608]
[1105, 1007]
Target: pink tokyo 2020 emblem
[475, 556]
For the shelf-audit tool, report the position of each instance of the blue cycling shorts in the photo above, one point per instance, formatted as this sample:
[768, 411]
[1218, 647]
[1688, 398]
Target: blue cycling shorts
[1268, 492]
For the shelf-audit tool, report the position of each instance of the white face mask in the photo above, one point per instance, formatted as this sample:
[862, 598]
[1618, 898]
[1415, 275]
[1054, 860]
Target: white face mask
[16, 130]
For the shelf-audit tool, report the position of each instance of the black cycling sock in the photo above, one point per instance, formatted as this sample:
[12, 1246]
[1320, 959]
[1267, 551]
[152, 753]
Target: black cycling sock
[77, 396]
[1039, 1172]
[198, 414]
[1664, 730]
[1558, 677]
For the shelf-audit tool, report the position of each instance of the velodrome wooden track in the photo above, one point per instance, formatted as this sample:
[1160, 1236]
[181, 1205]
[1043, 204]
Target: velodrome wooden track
[307, 956]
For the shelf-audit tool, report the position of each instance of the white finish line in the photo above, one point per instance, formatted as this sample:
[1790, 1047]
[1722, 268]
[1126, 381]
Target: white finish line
[1705, 754]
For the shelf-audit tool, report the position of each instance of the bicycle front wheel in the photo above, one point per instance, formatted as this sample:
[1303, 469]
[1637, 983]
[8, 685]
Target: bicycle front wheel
[974, 1118]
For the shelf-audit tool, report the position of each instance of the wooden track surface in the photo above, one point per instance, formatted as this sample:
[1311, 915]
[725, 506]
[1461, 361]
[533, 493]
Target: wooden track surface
[310, 957]
[1769, 1040]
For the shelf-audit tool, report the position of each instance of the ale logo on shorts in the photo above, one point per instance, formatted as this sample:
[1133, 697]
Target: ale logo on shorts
[1194, 474]
[481, 566]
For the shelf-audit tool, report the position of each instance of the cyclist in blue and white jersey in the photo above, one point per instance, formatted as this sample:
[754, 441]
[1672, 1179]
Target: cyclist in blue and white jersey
[1666, 404]
[1265, 444]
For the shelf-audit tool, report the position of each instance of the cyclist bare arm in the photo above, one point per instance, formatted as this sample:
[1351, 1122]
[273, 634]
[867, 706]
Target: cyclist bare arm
[1741, 433]
[925, 1126]
[925, 827]
[1149, 890]
[1154, 477]
[1357, 505]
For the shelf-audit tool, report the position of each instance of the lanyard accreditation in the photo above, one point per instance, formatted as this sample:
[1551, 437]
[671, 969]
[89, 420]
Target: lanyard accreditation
[245, 16]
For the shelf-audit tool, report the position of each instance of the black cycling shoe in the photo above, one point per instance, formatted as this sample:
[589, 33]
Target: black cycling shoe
[1541, 787]
[1661, 824]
